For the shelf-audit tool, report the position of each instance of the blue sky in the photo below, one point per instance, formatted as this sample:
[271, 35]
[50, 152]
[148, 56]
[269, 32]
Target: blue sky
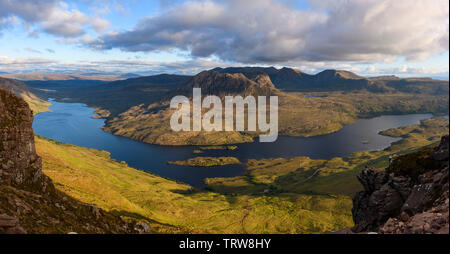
[367, 37]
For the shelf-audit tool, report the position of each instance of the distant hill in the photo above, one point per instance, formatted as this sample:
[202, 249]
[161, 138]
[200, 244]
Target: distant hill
[410, 85]
[294, 79]
[162, 81]
[150, 122]
[340, 80]
[222, 84]
[20, 89]
[286, 79]
[61, 76]
[116, 96]
[129, 75]
[282, 78]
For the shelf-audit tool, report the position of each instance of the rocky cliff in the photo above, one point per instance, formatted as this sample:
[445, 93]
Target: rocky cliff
[20, 166]
[29, 203]
[340, 80]
[225, 84]
[410, 196]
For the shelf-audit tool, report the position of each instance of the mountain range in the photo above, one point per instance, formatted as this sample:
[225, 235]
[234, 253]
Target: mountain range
[337, 80]
[319, 104]
[222, 84]
[309, 104]
[48, 189]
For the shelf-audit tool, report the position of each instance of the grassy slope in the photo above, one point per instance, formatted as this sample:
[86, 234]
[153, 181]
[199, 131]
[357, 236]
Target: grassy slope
[92, 177]
[328, 177]
[36, 104]
[276, 196]
[20, 89]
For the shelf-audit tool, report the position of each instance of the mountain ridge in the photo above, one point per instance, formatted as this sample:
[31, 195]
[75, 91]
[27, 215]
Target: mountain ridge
[222, 84]
[25, 92]
[328, 80]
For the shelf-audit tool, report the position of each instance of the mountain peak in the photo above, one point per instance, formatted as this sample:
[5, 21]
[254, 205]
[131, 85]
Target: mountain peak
[332, 73]
[295, 70]
[223, 84]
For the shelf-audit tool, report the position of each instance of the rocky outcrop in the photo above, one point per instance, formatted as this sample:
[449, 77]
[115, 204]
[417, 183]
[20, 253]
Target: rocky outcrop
[225, 84]
[410, 196]
[19, 164]
[340, 80]
[10, 225]
[29, 202]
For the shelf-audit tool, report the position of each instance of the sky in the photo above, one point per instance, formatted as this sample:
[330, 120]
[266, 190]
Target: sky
[369, 37]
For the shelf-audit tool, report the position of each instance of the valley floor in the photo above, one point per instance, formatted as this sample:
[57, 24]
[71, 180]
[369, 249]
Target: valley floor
[297, 195]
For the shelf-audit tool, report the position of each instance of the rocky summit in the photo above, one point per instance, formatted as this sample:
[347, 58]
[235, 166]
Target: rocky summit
[411, 196]
[29, 202]
[222, 84]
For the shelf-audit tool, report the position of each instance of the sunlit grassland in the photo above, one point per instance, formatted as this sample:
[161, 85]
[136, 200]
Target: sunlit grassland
[327, 177]
[92, 177]
[36, 104]
[297, 195]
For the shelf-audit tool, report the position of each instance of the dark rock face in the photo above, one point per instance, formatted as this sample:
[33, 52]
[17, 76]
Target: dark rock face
[29, 203]
[10, 225]
[20, 166]
[411, 196]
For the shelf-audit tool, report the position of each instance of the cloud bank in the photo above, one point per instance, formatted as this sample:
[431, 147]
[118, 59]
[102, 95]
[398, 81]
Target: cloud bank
[270, 31]
[50, 16]
[189, 67]
[356, 35]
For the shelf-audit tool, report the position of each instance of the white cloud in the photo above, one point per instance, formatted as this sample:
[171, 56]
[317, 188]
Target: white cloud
[268, 31]
[8, 64]
[402, 69]
[191, 67]
[51, 16]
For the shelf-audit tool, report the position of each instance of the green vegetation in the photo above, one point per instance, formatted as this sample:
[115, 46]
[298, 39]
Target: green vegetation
[231, 148]
[320, 104]
[300, 114]
[327, 177]
[276, 195]
[101, 113]
[297, 195]
[206, 161]
[151, 124]
[36, 105]
[91, 176]
[414, 164]
[328, 101]
[207, 148]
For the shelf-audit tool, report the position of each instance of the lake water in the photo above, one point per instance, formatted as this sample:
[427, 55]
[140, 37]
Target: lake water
[72, 123]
